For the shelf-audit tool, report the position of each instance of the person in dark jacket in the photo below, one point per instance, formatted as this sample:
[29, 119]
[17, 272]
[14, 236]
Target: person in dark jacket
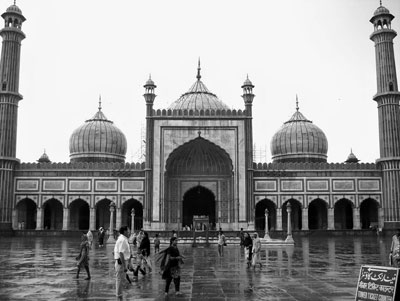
[144, 252]
[170, 266]
[248, 247]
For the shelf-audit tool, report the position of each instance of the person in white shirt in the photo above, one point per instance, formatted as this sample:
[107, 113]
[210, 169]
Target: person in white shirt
[90, 238]
[122, 256]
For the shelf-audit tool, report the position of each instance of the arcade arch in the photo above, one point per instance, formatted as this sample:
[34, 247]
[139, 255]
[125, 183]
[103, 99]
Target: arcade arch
[318, 215]
[103, 214]
[260, 215]
[295, 215]
[52, 215]
[26, 214]
[343, 215]
[369, 209]
[126, 214]
[79, 215]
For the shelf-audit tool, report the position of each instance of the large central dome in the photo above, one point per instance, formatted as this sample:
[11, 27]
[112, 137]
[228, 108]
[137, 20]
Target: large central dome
[299, 140]
[198, 98]
[97, 140]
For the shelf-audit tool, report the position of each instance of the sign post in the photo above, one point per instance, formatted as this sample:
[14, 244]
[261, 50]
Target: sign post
[378, 283]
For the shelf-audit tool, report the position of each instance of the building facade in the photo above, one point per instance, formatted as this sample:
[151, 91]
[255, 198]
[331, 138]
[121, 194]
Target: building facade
[199, 162]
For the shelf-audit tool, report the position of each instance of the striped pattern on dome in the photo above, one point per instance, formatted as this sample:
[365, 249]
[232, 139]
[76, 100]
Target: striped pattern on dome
[97, 140]
[198, 157]
[198, 98]
[299, 140]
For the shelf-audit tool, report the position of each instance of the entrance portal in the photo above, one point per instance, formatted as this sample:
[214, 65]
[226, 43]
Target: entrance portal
[198, 201]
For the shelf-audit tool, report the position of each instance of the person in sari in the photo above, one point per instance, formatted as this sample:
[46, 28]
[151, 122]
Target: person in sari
[83, 257]
[248, 247]
[170, 266]
[256, 251]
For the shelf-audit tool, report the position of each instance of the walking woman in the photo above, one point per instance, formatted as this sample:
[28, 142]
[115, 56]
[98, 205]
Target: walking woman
[170, 266]
[248, 247]
[256, 251]
[83, 257]
[221, 243]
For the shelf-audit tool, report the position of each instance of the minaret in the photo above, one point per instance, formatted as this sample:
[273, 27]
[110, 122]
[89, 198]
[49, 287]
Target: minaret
[149, 97]
[9, 97]
[387, 98]
[248, 97]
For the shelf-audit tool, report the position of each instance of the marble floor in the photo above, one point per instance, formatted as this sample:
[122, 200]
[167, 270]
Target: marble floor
[316, 268]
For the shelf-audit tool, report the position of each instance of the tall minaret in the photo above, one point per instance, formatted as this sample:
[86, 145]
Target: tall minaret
[9, 97]
[248, 97]
[387, 98]
[149, 97]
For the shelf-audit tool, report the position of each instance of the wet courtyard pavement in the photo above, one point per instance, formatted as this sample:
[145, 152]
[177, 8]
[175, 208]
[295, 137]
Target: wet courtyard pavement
[316, 268]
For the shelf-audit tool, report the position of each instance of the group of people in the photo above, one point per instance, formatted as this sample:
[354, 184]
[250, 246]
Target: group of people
[252, 248]
[126, 259]
[132, 254]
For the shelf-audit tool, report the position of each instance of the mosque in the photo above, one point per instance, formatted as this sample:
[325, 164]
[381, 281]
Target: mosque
[199, 162]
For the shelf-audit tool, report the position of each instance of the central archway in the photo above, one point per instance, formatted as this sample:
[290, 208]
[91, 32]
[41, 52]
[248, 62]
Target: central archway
[198, 181]
[198, 201]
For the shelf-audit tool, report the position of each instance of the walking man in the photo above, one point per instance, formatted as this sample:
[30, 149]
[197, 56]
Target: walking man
[122, 256]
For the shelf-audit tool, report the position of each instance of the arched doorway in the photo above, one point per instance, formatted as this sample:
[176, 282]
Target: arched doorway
[79, 215]
[103, 214]
[317, 215]
[26, 211]
[260, 215]
[198, 201]
[295, 215]
[198, 167]
[369, 209]
[343, 214]
[53, 215]
[126, 214]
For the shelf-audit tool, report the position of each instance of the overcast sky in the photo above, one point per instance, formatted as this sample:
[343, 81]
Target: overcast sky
[319, 49]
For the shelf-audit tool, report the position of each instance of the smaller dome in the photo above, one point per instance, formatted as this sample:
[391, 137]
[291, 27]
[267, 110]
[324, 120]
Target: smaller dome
[97, 140]
[149, 82]
[14, 9]
[299, 140]
[352, 158]
[381, 10]
[247, 82]
[44, 158]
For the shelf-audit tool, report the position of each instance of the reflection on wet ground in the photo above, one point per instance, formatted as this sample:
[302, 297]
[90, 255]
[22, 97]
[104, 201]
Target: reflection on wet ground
[316, 268]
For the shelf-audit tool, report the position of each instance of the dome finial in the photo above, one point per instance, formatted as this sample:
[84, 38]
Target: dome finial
[380, 2]
[99, 102]
[198, 71]
[297, 103]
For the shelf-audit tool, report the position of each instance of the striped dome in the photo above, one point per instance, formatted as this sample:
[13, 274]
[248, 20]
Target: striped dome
[97, 140]
[299, 140]
[198, 98]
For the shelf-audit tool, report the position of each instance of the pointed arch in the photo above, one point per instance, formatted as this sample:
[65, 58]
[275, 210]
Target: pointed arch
[26, 214]
[295, 215]
[318, 215]
[127, 217]
[343, 214]
[369, 209]
[261, 206]
[53, 215]
[199, 156]
[79, 215]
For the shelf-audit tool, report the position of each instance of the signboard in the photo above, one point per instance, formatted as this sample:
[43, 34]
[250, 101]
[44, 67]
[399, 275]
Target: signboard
[377, 283]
